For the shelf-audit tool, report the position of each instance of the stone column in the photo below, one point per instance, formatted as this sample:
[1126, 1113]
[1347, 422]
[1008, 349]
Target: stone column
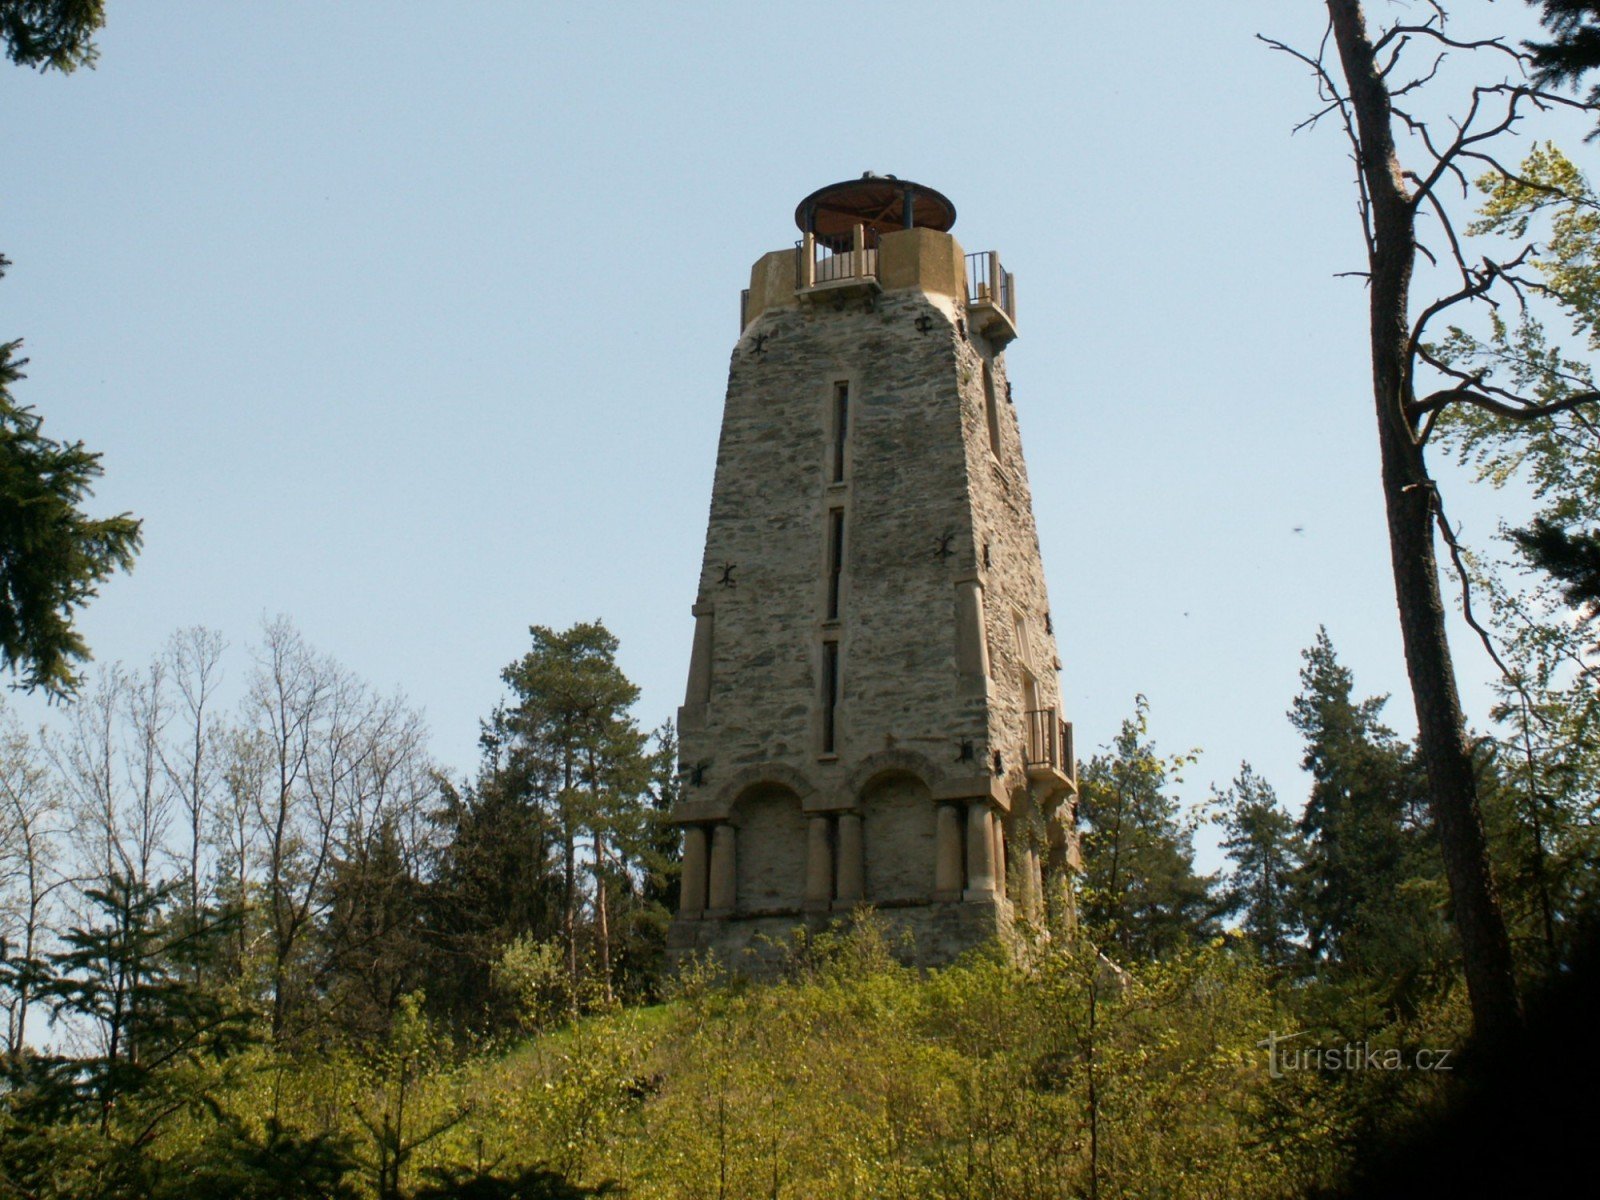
[852, 864]
[972, 643]
[698, 692]
[692, 884]
[819, 864]
[724, 874]
[998, 841]
[947, 860]
[980, 852]
[1032, 882]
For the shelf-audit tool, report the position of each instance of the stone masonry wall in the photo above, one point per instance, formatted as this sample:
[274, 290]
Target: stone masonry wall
[932, 517]
[905, 494]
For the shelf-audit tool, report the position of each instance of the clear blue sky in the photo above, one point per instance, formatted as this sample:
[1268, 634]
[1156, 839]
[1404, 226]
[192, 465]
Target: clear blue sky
[412, 322]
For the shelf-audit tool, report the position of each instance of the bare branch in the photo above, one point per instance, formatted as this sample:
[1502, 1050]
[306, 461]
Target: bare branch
[1314, 63]
[1311, 121]
[1437, 503]
[1394, 58]
[1335, 101]
[1420, 80]
[1512, 412]
[1430, 29]
[1475, 285]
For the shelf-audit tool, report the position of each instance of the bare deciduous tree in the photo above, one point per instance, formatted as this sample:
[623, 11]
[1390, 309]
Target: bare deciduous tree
[341, 766]
[192, 759]
[32, 826]
[235, 834]
[87, 760]
[1408, 164]
[149, 811]
[286, 702]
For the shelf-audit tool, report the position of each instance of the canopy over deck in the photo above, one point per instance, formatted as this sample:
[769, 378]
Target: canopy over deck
[882, 203]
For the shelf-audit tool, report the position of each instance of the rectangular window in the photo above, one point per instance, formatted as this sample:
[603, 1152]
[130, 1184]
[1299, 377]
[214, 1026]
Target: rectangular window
[841, 427]
[830, 693]
[835, 560]
[991, 411]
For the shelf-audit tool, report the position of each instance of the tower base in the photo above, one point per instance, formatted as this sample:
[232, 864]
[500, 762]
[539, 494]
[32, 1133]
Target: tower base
[759, 946]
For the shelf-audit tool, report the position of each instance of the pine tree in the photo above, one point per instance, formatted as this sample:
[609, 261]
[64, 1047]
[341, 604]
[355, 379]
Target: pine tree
[570, 730]
[1573, 50]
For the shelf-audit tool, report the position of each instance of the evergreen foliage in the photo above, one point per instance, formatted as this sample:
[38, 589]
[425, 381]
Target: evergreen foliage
[1263, 843]
[1574, 49]
[53, 557]
[559, 841]
[441, 1045]
[50, 34]
[1572, 557]
[1373, 886]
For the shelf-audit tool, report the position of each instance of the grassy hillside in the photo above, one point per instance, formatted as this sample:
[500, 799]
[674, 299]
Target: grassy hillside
[1053, 1075]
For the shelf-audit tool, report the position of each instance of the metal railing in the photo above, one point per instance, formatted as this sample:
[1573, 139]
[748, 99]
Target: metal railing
[1049, 741]
[989, 283]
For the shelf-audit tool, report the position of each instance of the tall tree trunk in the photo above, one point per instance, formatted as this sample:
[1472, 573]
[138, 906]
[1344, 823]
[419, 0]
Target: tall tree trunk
[569, 906]
[601, 917]
[1409, 505]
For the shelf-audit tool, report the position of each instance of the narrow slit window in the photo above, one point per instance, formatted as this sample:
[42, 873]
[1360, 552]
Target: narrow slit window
[830, 693]
[841, 427]
[835, 560]
[991, 411]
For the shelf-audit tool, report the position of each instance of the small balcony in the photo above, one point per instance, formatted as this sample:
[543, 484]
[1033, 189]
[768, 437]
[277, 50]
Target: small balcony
[1048, 751]
[832, 266]
[991, 298]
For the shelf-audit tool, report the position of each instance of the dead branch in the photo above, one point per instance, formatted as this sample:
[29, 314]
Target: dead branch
[1432, 28]
[1456, 559]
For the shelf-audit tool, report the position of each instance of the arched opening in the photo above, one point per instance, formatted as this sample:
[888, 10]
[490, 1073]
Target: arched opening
[772, 848]
[900, 830]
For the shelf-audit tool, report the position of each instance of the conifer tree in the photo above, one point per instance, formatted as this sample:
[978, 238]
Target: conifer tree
[1266, 850]
[571, 730]
[1373, 883]
[497, 880]
[81, 1124]
[1574, 46]
[53, 557]
[51, 34]
[556, 838]
[1141, 891]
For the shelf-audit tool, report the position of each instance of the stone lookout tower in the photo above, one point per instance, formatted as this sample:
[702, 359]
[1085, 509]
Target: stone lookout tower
[873, 714]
